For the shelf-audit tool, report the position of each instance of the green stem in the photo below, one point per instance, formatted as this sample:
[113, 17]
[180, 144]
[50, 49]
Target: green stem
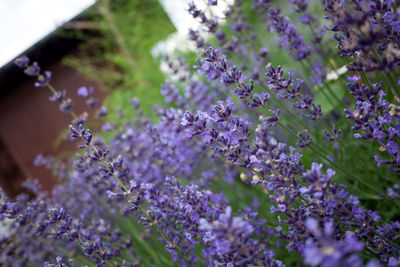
[52, 89]
[336, 165]
[153, 224]
[339, 102]
[319, 88]
[305, 200]
[364, 79]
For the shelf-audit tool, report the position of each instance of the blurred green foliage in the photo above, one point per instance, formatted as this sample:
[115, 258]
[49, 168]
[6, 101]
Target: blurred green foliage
[120, 57]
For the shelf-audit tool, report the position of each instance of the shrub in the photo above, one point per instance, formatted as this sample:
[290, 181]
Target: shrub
[251, 164]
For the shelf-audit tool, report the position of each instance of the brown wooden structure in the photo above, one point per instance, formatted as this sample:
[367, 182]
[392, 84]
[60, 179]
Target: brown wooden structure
[29, 122]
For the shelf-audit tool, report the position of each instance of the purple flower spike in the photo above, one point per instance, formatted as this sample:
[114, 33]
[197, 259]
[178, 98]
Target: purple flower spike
[22, 62]
[328, 251]
[66, 105]
[355, 78]
[32, 70]
[83, 91]
[222, 110]
[392, 148]
[43, 80]
[58, 96]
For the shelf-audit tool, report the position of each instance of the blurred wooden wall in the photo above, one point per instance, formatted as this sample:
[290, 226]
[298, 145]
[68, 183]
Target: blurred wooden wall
[30, 124]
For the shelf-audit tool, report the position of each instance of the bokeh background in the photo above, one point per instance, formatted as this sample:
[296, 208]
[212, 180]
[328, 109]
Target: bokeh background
[113, 46]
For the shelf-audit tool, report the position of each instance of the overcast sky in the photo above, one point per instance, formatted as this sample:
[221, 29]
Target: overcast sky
[24, 22]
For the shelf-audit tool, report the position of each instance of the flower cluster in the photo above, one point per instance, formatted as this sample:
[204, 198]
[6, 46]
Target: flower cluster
[246, 165]
[366, 31]
[377, 118]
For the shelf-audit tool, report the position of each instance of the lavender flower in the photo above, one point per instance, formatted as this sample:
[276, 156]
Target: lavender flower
[178, 190]
[376, 118]
[22, 62]
[330, 252]
[43, 80]
[32, 70]
[288, 38]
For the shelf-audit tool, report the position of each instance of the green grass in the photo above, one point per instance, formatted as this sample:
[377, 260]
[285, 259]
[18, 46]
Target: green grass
[141, 24]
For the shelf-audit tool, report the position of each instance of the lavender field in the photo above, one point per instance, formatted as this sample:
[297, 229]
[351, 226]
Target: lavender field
[277, 144]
